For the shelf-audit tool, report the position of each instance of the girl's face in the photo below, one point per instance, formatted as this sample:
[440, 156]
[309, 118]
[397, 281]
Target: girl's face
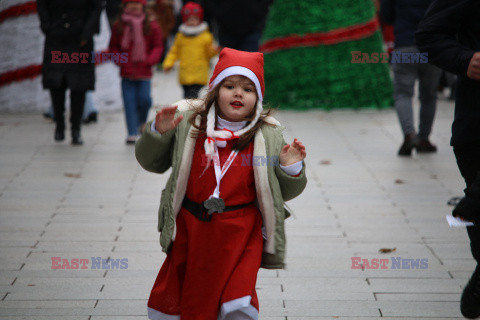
[192, 21]
[237, 98]
[134, 7]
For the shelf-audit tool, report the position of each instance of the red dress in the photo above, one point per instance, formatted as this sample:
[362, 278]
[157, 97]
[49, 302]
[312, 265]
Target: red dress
[212, 266]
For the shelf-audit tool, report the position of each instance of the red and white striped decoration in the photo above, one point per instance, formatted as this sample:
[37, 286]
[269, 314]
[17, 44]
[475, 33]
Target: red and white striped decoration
[21, 55]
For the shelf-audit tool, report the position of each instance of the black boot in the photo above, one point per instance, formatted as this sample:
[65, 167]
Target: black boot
[59, 133]
[470, 303]
[425, 146]
[76, 137]
[468, 207]
[408, 145]
[91, 118]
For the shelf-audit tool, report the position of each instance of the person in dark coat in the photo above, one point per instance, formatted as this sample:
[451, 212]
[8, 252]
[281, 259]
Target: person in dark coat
[240, 22]
[69, 26]
[405, 16]
[450, 33]
[113, 8]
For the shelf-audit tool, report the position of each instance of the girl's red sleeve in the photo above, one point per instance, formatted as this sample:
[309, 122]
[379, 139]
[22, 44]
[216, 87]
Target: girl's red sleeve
[114, 45]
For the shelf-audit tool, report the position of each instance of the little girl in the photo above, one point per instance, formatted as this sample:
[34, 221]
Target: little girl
[224, 192]
[140, 36]
[193, 46]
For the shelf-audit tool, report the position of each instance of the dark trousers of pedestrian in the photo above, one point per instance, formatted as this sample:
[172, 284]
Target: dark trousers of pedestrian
[405, 75]
[77, 102]
[249, 42]
[191, 91]
[468, 161]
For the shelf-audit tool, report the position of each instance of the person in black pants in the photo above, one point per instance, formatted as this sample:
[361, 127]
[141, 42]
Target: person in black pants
[450, 33]
[69, 26]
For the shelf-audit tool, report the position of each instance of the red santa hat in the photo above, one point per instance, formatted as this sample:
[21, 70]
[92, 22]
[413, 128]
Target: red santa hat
[233, 62]
[144, 2]
[192, 9]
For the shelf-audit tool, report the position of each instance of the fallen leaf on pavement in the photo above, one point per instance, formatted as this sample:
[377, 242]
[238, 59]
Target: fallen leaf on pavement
[386, 250]
[71, 175]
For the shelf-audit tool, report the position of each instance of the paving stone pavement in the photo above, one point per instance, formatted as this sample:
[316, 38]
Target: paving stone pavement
[95, 202]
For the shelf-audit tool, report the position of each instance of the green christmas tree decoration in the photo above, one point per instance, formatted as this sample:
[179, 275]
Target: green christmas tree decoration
[308, 47]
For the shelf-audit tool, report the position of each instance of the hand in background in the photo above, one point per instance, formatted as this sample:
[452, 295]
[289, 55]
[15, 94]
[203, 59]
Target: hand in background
[165, 119]
[473, 71]
[292, 153]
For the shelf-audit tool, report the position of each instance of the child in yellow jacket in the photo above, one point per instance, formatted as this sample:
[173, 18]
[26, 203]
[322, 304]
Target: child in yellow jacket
[193, 46]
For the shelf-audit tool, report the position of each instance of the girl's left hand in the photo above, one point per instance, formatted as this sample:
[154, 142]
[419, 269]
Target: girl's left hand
[292, 153]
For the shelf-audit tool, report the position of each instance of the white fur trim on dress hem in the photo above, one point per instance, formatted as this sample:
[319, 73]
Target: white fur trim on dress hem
[238, 306]
[157, 315]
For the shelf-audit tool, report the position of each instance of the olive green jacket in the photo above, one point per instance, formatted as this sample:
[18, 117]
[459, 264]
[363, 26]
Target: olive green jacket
[157, 153]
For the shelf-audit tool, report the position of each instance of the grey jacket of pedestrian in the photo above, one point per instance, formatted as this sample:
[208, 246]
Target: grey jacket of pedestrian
[65, 24]
[157, 153]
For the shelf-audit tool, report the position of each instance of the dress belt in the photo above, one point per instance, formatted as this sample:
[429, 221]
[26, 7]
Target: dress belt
[201, 213]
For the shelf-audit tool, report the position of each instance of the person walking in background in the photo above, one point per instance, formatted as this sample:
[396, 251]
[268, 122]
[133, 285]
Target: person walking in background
[138, 35]
[240, 22]
[450, 33]
[166, 18]
[211, 227]
[69, 26]
[405, 16]
[193, 47]
[113, 8]
[90, 113]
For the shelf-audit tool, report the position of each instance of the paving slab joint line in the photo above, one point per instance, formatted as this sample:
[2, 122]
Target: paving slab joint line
[434, 254]
[35, 245]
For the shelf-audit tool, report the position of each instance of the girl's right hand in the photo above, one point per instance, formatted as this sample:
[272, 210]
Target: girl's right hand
[165, 119]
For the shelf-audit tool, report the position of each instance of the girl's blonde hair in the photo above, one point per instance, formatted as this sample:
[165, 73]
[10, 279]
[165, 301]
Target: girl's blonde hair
[211, 99]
